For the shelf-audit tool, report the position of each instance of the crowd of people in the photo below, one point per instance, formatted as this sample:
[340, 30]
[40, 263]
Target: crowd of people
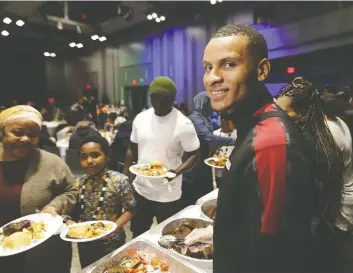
[285, 202]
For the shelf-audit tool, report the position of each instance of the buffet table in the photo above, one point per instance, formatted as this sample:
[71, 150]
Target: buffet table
[209, 196]
[154, 234]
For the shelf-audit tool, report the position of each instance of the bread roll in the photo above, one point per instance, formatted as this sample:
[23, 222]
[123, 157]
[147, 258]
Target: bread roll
[16, 240]
[156, 163]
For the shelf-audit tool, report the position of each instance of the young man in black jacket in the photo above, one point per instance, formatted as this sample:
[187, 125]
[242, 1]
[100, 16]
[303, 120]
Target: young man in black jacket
[264, 206]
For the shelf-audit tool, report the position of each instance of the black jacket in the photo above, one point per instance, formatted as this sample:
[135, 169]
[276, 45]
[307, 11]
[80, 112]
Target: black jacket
[264, 205]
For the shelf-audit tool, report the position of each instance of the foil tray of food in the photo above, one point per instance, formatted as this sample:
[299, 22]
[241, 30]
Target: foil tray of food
[141, 256]
[190, 239]
[208, 209]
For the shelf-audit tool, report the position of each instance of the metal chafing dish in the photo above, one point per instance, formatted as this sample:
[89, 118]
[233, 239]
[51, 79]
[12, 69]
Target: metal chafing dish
[205, 205]
[175, 264]
[195, 221]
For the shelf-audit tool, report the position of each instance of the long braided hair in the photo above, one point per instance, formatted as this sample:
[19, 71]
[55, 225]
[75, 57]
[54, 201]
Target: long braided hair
[330, 168]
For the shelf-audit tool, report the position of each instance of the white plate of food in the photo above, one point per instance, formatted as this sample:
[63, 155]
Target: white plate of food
[153, 170]
[87, 231]
[216, 162]
[27, 232]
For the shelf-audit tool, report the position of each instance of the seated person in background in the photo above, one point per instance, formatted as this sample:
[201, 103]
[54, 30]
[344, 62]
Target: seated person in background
[227, 130]
[83, 130]
[72, 118]
[109, 124]
[104, 195]
[45, 139]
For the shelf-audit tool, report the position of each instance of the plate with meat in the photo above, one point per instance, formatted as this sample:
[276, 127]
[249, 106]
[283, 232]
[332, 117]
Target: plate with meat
[87, 231]
[27, 232]
[153, 170]
[209, 208]
[190, 238]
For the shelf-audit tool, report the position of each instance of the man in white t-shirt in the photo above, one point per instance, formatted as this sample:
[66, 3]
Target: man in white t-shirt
[160, 133]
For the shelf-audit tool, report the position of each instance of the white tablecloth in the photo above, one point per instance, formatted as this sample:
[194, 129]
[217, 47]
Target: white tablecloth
[63, 145]
[51, 126]
[211, 195]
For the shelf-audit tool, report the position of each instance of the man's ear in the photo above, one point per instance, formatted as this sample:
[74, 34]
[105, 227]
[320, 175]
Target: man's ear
[263, 69]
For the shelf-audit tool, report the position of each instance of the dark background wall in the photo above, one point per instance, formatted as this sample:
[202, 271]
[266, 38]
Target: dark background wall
[22, 71]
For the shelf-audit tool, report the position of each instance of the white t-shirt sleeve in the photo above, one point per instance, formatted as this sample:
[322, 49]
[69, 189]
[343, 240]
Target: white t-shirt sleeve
[188, 137]
[133, 137]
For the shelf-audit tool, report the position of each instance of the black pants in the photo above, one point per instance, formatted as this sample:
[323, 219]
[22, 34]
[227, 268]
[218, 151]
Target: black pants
[147, 209]
[91, 252]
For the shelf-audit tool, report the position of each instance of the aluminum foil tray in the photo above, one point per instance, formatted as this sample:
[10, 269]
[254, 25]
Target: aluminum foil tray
[176, 265]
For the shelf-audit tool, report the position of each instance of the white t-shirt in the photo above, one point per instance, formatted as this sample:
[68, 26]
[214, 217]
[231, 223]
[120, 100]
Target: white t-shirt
[163, 139]
[343, 138]
[225, 150]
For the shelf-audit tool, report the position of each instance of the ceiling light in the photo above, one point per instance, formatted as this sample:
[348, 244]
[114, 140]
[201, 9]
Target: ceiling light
[220, 1]
[7, 20]
[79, 45]
[154, 15]
[53, 55]
[158, 20]
[102, 39]
[94, 37]
[72, 44]
[46, 54]
[162, 18]
[149, 17]
[5, 33]
[20, 23]
[213, 2]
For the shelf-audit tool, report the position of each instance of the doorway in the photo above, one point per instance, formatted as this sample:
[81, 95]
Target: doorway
[136, 97]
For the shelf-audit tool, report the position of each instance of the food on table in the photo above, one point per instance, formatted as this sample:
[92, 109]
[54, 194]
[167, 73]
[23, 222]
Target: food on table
[88, 231]
[21, 234]
[155, 168]
[211, 212]
[218, 161]
[138, 262]
[197, 243]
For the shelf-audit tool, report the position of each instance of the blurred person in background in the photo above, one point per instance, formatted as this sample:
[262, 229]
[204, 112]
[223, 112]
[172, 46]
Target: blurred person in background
[301, 101]
[227, 130]
[109, 124]
[342, 135]
[183, 109]
[31, 180]
[198, 181]
[161, 134]
[83, 129]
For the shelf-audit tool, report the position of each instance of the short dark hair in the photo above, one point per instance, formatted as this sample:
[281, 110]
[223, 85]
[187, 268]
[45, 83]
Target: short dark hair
[257, 42]
[99, 140]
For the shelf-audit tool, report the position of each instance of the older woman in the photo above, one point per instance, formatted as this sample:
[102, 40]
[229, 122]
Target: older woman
[30, 180]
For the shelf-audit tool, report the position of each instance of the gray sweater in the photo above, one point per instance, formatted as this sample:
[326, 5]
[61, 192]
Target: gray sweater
[48, 181]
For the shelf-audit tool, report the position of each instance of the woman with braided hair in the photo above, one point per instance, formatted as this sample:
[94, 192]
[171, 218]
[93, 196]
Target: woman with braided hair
[301, 100]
